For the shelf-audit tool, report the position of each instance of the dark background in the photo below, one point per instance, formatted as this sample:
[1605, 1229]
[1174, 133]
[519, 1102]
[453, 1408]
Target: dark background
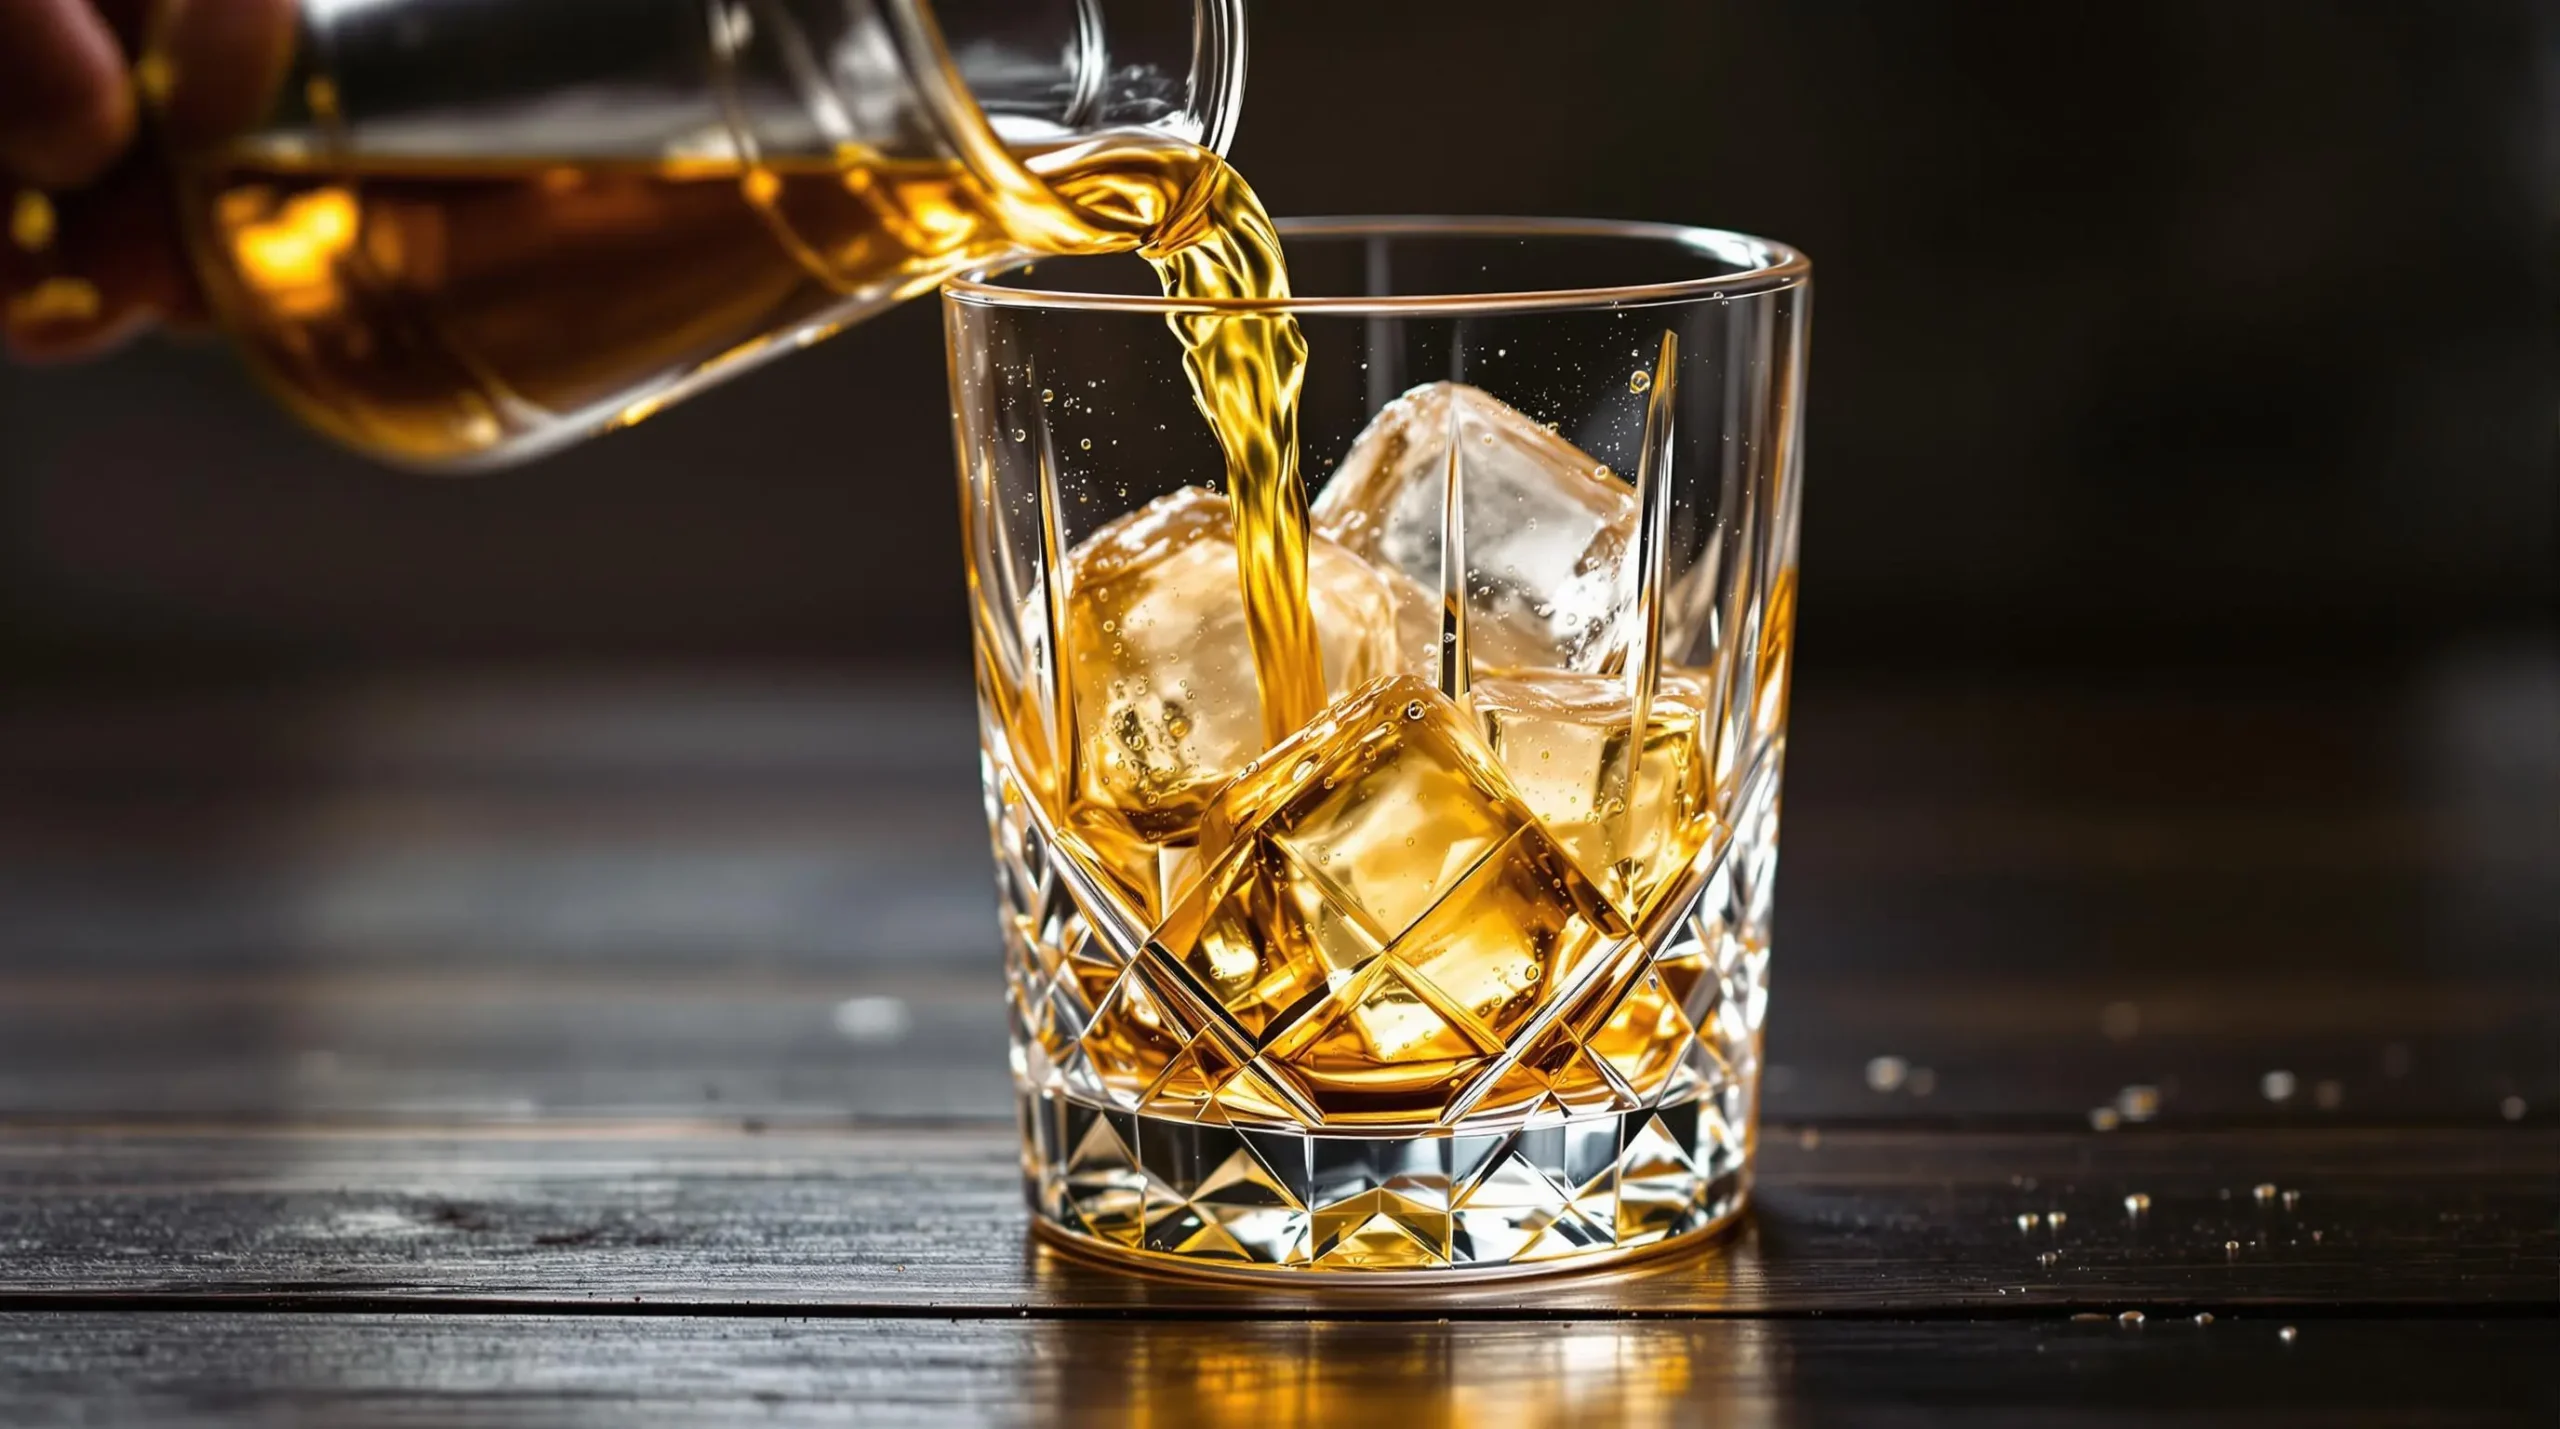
[2149, 336]
[2177, 721]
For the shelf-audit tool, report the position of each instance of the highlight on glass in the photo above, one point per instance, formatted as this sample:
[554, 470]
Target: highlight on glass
[1383, 683]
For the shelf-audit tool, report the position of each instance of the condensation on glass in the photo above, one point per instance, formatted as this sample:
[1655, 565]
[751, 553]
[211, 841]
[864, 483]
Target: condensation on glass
[1464, 973]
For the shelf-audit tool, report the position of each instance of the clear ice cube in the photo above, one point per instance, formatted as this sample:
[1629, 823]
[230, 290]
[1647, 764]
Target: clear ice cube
[1633, 824]
[1166, 704]
[1546, 528]
[1380, 909]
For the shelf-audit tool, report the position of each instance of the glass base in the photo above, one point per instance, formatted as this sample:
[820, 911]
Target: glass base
[1623, 1165]
[1451, 1203]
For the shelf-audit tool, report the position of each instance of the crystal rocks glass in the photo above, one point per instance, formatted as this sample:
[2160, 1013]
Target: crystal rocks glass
[1465, 976]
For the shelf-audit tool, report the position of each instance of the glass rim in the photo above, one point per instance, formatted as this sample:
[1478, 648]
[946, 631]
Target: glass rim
[1771, 266]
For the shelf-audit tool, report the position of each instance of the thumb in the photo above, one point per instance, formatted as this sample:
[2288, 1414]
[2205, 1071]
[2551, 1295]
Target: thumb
[66, 109]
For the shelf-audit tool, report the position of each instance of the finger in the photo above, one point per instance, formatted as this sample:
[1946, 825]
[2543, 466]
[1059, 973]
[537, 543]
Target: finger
[113, 267]
[66, 111]
[224, 60]
[95, 332]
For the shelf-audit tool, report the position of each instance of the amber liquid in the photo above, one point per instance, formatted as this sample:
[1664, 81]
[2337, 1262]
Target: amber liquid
[1381, 886]
[453, 312]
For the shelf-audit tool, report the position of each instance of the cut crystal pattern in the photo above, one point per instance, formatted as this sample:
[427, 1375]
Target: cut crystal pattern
[1464, 973]
[1619, 1118]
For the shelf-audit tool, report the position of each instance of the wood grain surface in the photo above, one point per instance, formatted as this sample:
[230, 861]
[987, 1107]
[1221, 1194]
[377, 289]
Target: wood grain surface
[627, 1051]
[154, 1369]
[921, 1217]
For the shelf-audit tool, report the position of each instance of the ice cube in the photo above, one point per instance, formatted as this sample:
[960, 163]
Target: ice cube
[1380, 910]
[1546, 528]
[1564, 740]
[1166, 704]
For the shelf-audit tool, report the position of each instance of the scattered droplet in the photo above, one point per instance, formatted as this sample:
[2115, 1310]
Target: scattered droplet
[2288, 1334]
[2292, 1200]
[1020, 435]
[1414, 710]
[2130, 1317]
[1921, 1082]
[1641, 381]
[2119, 1021]
[2049, 1257]
[2231, 1248]
[2263, 1192]
[2204, 1317]
[2326, 1095]
[2138, 1103]
[2029, 1221]
[1885, 1074]
[2104, 1118]
[2137, 1204]
[1048, 396]
[2512, 1108]
[2055, 1219]
[871, 1019]
[1810, 1138]
[2276, 1086]
[1087, 444]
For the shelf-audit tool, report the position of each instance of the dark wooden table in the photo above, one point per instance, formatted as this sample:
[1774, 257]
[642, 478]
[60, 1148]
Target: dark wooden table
[629, 1050]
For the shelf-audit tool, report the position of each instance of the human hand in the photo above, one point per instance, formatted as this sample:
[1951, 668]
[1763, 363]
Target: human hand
[91, 253]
